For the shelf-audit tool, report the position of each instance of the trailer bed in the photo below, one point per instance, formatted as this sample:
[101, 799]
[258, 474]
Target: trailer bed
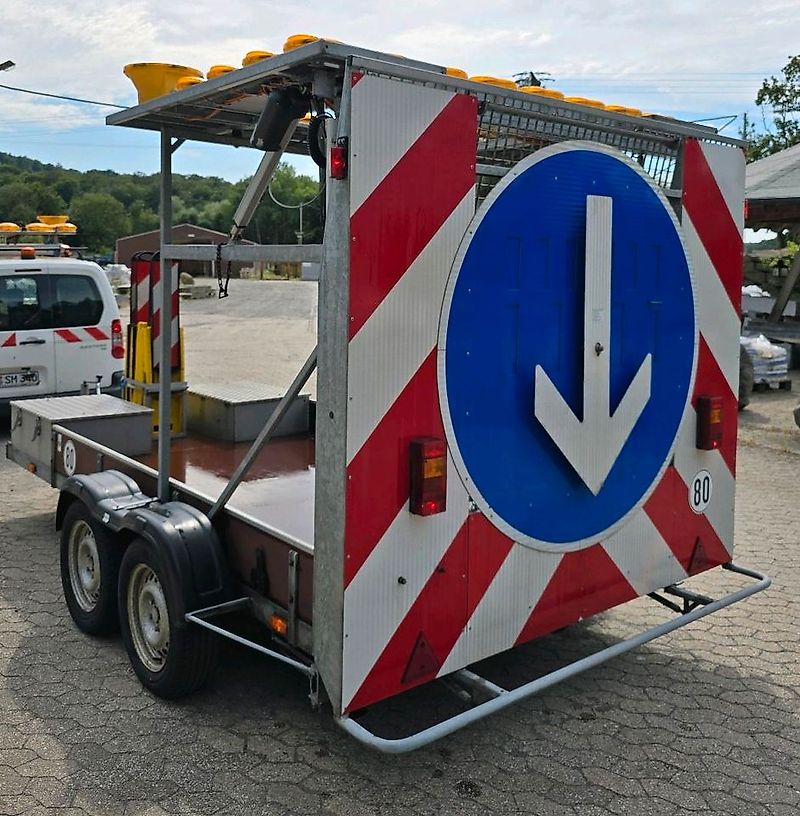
[278, 491]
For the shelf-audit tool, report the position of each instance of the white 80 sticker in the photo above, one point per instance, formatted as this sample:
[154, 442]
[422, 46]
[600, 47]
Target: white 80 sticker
[70, 457]
[700, 491]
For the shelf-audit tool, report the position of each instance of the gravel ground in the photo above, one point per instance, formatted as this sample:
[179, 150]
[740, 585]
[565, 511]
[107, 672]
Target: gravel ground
[705, 720]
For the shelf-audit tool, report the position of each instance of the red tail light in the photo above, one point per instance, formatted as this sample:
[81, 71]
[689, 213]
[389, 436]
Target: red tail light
[428, 476]
[117, 346]
[338, 162]
[709, 423]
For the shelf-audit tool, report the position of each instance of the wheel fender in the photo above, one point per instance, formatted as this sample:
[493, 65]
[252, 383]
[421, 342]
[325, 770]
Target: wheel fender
[109, 493]
[193, 555]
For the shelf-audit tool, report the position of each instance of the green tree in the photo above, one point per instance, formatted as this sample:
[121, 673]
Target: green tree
[779, 99]
[101, 219]
[22, 201]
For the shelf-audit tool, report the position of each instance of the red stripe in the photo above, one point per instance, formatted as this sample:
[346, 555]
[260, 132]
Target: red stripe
[410, 205]
[711, 382]
[378, 476]
[585, 582]
[11, 340]
[712, 219]
[668, 508]
[66, 334]
[441, 610]
[96, 333]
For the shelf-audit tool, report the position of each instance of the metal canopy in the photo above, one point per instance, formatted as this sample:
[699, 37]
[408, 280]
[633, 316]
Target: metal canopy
[225, 110]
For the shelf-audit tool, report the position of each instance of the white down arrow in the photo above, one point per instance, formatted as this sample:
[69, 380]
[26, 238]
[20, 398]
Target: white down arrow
[593, 445]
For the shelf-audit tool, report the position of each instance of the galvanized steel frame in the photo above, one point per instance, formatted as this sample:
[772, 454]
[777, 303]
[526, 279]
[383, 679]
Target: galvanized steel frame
[501, 698]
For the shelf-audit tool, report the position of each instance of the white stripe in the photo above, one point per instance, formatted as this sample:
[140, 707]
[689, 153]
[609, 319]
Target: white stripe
[689, 460]
[728, 167]
[505, 607]
[401, 332]
[642, 556]
[375, 603]
[387, 118]
[716, 317]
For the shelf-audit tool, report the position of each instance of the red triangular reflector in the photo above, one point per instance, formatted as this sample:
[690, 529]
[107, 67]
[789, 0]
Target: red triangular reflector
[423, 661]
[699, 560]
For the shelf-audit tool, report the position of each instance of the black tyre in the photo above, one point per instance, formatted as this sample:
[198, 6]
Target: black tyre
[745, 378]
[90, 561]
[172, 658]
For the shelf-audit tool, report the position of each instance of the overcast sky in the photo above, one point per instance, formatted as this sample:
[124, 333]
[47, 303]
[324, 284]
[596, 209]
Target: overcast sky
[688, 59]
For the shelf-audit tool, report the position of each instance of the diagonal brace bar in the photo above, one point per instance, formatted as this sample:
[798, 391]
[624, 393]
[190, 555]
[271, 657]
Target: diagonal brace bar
[266, 434]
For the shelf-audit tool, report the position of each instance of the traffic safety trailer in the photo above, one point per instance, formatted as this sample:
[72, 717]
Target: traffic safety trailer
[526, 393]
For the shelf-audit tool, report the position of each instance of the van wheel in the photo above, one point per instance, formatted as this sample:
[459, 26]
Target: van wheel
[171, 658]
[90, 560]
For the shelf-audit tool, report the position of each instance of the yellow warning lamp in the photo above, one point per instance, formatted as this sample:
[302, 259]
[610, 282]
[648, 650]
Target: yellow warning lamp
[498, 81]
[66, 229]
[9, 228]
[219, 70]
[53, 220]
[624, 109]
[255, 56]
[37, 226]
[153, 79]
[187, 82]
[27, 253]
[582, 100]
[456, 72]
[536, 90]
[299, 40]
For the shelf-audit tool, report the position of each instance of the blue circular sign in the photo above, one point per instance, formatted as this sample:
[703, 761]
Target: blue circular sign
[558, 430]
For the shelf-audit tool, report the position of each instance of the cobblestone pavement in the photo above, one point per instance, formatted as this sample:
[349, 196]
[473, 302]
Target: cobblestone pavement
[706, 720]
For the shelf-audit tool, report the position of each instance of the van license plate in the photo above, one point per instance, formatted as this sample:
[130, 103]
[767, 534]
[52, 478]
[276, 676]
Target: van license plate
[12, 379]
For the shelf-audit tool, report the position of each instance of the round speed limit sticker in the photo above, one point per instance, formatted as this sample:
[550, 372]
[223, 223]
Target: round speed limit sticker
[700, 491]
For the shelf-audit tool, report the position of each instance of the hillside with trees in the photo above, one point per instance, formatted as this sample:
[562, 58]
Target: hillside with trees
[107, 205]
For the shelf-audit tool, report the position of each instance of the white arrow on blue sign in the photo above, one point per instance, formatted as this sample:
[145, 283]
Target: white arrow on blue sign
[567, 346]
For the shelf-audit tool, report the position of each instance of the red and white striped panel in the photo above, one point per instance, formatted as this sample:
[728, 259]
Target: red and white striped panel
[155, 321]
[426, 596]
[87, 334]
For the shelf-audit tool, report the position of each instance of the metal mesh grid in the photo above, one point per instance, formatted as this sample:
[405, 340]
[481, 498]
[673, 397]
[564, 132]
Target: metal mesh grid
[512, 127]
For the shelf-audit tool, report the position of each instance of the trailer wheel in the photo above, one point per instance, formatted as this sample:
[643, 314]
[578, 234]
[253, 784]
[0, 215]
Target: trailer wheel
[90, 560]
[172, 658]
[746, 377]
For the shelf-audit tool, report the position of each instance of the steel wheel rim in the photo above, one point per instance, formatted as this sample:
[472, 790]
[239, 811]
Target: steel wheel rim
[84, 566]
[148, 617]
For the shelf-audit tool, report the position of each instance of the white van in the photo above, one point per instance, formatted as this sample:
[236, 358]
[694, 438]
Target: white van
[59, 328]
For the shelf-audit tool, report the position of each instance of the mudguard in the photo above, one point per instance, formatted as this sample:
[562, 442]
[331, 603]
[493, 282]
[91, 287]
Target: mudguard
[182, 533]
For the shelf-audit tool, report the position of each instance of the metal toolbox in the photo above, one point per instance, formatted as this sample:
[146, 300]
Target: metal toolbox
[236, 413]
[104, 419]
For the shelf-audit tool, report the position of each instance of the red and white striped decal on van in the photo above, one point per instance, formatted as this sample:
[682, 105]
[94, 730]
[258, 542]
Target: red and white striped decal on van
[426, 596]
[87, 334]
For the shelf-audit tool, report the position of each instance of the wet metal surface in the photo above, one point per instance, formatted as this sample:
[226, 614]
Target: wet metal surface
[278, 490]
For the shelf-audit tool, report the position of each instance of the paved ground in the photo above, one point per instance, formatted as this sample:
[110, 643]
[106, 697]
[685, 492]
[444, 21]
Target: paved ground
[706, 720]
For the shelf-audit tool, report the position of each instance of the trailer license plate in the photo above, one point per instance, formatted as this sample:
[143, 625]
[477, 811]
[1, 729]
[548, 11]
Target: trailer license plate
[12, 379]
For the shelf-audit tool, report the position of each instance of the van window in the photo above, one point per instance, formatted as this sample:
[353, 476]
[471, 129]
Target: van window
[76, 301]
[22, 303]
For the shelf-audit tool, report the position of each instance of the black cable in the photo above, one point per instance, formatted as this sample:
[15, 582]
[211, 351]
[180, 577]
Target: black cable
[59, 96]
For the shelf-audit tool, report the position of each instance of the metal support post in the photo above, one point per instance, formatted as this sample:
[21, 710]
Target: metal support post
[266, 433]
[165, 362]
[786, 289]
